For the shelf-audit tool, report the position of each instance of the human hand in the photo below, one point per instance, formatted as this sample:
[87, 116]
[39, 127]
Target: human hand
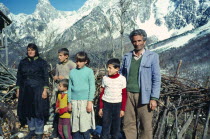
[44, 94]
[152, 104]
[55, 78]
[60, 77]
[57, 110]
[17, 92]
[122, 113]
[100, 113]
[101, 89]
[89, 106]
[69, 107]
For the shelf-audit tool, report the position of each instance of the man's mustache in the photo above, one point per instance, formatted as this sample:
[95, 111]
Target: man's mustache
[138, 49]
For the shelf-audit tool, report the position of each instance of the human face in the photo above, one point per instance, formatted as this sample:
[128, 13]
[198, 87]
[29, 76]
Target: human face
[31, 52]
[62, 57]
[61, 87]
[138, 42]
[80, 64]
[111, 70]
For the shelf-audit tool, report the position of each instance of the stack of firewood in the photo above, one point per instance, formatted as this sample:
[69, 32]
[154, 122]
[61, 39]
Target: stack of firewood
[7, 83]
[183, 94]
[183, 108]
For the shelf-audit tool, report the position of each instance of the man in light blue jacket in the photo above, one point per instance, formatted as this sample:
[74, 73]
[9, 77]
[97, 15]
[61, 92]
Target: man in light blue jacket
[142, 71]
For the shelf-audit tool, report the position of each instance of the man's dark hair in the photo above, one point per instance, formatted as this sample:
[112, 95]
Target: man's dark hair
[140, 32]
[33, 46]
[65, 51]
[115, 62]
[64, 82]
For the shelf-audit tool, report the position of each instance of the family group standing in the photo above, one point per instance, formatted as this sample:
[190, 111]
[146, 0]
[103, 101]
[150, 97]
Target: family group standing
[129, 90]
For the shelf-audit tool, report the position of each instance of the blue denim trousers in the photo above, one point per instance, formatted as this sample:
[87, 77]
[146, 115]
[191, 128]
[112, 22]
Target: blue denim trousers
[36, 124]
[81, 135]
[111, 121]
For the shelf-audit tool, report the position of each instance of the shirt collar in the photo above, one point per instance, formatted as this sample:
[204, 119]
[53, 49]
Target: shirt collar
[139, 55]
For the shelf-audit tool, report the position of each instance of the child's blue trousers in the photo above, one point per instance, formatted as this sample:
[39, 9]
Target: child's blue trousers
[111, 120]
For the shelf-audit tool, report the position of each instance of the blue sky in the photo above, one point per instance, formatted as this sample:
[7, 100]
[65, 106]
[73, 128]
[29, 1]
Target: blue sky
[28, 6]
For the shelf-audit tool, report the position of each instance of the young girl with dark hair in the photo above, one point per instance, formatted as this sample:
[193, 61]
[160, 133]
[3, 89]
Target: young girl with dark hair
[80, 96]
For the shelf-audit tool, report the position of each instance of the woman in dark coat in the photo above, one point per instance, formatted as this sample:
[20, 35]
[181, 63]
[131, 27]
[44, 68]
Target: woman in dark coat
[32, 83]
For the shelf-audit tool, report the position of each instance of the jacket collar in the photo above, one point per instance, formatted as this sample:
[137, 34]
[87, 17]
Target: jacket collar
[33, 59]
[146, 53]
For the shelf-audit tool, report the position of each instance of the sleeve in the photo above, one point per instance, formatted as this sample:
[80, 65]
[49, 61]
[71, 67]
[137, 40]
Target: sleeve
[57, 104]
[122, 68]
[156, 78]
[101, 104]
[92, 86]
[63, 110]
[56, 70]
[124, 99]
[72, 65]
[103, 84]
[153, 98]
[45, 74]
[124, 94]
[69, 88]
[19, 75]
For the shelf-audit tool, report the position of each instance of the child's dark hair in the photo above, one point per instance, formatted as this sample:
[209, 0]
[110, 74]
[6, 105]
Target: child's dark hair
[82, 57]
[65, 51]
[64, 82]
[115, 62]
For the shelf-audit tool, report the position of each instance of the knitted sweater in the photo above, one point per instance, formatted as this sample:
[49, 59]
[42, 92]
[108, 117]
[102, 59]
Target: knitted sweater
[81, 84]
[114, 90]
[63, 69]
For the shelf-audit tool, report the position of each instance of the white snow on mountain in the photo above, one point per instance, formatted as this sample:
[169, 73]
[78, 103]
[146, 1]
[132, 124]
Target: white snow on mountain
[182, 40]
[64, 22]
[172, 26]
[48, 24]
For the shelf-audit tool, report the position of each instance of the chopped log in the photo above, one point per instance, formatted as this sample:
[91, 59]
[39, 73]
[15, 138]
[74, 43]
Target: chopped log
[186, 125]
[196, 124]
[206, 125]
[163, 118]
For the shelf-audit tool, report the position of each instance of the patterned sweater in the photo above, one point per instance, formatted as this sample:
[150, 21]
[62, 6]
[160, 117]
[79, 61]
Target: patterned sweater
[114, 90]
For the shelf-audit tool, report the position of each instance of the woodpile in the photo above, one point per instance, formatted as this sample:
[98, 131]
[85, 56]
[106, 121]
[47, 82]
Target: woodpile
[7, 84]
[183, 110]
[8, 120]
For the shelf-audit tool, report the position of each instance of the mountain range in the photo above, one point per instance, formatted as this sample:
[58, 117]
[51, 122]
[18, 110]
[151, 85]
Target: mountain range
[177, 30]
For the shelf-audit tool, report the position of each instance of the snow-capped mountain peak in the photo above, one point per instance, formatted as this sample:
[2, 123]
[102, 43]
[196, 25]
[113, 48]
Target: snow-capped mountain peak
[43, 1]
[4, 9]
[161, 19]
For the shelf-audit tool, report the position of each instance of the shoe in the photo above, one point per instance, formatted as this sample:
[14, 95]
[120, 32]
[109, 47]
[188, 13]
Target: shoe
[39, 136]
[30, 135]
[54, 134]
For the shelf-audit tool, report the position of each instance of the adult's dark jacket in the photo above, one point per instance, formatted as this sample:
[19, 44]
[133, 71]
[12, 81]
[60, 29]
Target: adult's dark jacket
[32, 77]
